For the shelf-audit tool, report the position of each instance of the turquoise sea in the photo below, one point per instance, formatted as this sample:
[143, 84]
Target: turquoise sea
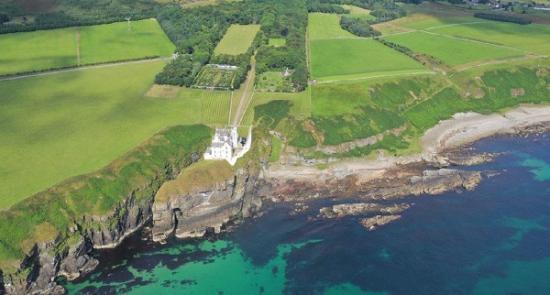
[494, 240]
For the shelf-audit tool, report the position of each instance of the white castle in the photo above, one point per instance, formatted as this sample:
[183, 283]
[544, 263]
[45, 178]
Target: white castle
[226, 145]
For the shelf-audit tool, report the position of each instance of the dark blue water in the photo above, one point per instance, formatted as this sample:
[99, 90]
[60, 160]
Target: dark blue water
[494, 240]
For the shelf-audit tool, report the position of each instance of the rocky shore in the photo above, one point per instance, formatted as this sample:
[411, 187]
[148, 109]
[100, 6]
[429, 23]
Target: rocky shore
[378, 184]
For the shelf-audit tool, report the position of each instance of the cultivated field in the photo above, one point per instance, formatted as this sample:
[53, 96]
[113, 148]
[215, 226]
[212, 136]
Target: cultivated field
[25, 52]
[326, 26]
[356, 59]
[453, 51]
[57, 126]
[237, 39]
[116, 42]
[457, 38]
[530, 38]
[42, 50]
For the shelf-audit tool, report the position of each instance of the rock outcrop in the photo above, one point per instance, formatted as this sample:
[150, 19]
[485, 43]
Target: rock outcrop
[373, 223]
[194, 213]
[189, 215]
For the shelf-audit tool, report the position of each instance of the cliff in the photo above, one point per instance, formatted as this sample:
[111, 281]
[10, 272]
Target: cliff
[189, 207]
[53, 233]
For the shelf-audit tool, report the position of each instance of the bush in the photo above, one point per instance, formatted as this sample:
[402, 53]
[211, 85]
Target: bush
[358, 26]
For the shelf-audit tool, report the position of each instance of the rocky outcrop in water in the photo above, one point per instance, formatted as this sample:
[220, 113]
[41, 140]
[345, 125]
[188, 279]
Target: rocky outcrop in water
[373, 223]
[341, 210]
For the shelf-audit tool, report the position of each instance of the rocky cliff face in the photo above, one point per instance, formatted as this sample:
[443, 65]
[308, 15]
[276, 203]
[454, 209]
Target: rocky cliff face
[42, 265]
[193, 214]
[189, 215]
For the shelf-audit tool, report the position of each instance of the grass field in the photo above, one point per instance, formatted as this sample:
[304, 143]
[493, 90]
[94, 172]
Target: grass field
[41, 50]
[452, 51]
[62, 125]
[326, 26]
[334, 59]
[531, 38]
[359, 11]
[115, 42]
[237, 39]
[24, 52]
[277, 42]
[301, 103]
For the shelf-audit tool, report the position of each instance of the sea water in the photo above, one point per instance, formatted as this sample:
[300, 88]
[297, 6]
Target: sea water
[494, 240]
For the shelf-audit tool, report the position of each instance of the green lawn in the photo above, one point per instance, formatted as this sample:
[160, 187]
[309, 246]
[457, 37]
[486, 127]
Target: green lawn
[532, 38]
[237, 39]
[41, 50]
[450, 50]
[61, 125]
[334, 59]
[326, 26]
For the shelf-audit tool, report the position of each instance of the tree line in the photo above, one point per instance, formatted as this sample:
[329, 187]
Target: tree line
[502, 17]
[69, 13]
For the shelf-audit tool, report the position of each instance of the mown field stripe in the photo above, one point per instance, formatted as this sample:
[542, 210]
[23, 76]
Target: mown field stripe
[360, 77]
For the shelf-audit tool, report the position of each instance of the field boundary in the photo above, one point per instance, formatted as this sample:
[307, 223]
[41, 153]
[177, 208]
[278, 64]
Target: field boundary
[54, 71]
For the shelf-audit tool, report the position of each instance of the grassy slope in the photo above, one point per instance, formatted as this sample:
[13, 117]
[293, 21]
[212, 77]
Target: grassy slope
[40, 50]
[330, 58]
[62, 125]
[301, 104]
[237, 39]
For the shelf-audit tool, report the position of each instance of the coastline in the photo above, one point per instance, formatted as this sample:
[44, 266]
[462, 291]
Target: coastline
[462, 129]
[432, 172]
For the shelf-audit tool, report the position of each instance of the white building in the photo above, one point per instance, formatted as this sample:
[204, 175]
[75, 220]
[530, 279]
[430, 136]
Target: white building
[226, 145]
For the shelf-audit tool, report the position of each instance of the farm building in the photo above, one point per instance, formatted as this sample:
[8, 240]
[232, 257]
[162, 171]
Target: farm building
[226, 145]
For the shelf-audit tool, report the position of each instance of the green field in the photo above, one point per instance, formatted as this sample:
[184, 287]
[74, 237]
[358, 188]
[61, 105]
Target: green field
[326, 26]
[359, 11]
[237, 39]
[61, 125]
[277, 42]
[452, 51]
[115, 42]
[301, 104]
[530, 38]
[42, 50]
[335, 59]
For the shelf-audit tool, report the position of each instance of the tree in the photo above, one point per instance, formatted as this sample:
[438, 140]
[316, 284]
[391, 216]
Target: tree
[4, 18]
